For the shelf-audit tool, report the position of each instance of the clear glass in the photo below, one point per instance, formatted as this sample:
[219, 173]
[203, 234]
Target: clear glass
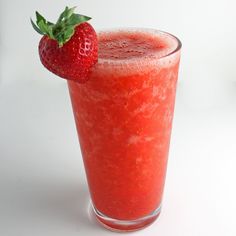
[123, 115]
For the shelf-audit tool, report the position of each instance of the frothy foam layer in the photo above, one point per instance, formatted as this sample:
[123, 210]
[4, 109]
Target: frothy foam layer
[124, 45]
[133, 44]
[129, 50]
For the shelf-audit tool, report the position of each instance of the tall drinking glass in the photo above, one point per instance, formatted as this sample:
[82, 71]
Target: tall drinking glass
[123, 115]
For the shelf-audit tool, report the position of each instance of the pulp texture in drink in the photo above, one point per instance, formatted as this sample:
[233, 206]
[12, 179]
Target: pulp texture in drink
[123, 115]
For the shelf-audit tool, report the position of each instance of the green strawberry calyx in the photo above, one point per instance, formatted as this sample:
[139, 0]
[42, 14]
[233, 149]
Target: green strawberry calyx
[64, 28]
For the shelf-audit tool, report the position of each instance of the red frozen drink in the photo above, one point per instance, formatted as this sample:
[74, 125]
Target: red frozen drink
[123, 115]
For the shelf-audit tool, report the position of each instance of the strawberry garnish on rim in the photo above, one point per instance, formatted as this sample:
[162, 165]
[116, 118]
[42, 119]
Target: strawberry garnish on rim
[68, 48]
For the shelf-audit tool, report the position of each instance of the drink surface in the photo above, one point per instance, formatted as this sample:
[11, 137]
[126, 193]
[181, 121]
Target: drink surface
[123, 115]
[128, 46]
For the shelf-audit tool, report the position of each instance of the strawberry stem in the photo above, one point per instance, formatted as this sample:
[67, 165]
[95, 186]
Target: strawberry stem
[64, 28]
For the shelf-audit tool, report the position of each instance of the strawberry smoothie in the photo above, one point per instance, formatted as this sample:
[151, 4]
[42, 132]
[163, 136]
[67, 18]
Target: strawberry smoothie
[123, 115]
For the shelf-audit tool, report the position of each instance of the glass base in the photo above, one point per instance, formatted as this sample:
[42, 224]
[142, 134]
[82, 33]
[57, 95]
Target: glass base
[126, 225]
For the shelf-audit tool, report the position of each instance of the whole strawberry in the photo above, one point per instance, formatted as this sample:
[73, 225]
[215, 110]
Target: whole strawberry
[68, 48]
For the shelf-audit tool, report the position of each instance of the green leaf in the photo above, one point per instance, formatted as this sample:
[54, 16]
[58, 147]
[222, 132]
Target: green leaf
[60, 40]
[43, 26]
[68, 33]
[84, 18]
[46, 28]
[76, 19]
[39, 18]
[49, 23]
[70, 12]
[50, 31]
[62, 15]
[63, 30]
[66, 14]
[36, 27]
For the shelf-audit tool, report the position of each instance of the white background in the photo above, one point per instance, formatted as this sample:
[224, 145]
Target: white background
[42, 182]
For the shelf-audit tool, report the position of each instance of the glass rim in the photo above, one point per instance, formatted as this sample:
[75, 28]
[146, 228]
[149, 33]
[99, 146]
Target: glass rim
[153, 31]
